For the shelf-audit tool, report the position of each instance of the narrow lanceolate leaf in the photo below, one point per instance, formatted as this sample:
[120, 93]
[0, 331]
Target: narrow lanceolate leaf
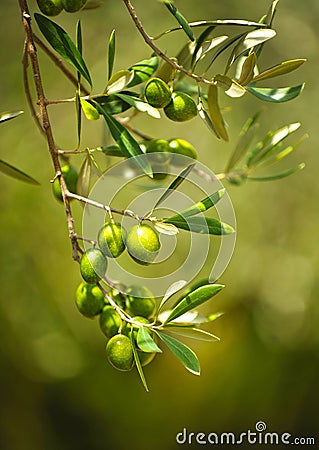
[89, 110]
[214, 112]
[231, 87]
[249, 41]
[83, 184]
[79, 44]
[199, 42]
[165, 228]
[194, 299]
[274, 158]
[111, 54]
[246, 136]
[192, 333]
[203, 205]
[8, 115]
[143, 70]
[145, 341]
[141, 106]
[276, 95]
[280, 69]
[173, 288]
[254, 38]
[203, 114]
[63, 44]
[128, 145]
[16, 173]
[201, 224]
[181, 20]
[247, 70]
[110, 150]
[138, 363]
[174, 185]
[118, 81]
[271, 140]
[206, 47]
[280, 175]
[186, 356]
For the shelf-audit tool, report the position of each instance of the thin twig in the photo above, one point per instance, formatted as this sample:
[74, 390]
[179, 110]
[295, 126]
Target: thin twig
[149, 41]
[87, 201]
[46, 125]
[25, 64]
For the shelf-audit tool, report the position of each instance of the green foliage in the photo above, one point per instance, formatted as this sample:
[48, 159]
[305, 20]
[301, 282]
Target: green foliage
[185, 85]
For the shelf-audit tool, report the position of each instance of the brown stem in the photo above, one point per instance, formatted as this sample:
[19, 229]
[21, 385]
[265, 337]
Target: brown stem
[150, 42]
[30, 49]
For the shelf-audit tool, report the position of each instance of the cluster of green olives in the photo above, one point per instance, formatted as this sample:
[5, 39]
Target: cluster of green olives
[178, 106]
[141, 241]
[54, 7]
[138, 302]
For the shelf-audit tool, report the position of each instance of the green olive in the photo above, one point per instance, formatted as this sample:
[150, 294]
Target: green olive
[120, 352]
[73, 5]
[111, 239]
[93, 265]
[181, 107]
[89, 299]
[50, 7]
[143, 243]
[157, 93]
[110, 321]
[140, 301]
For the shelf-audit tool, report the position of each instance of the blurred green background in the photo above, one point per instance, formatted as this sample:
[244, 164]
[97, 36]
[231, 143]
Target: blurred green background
[57, 390]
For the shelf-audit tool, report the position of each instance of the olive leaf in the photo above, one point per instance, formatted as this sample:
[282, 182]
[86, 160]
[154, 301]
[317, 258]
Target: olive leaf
[192, 333]
[202, 205]
[202, 225]
[165, 228]
[186, 356]
[246, 136]
[180, 19]
[145, 341]
[16, 173]
[276, 95]
[174, 185]
[247, 70]
[141, 106]
[171, 290]
[138, 362]
[231, 87]
[194, 299]
[111, 54]
[271, 140]
[118, 81]
[126, 142]
[203, 114]
[83, 183]
[143, 70]
[215, 113]
[89, 110]
[8, 115]
[280, 69]
[62, 44]
[78, 109]
[280, 175]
